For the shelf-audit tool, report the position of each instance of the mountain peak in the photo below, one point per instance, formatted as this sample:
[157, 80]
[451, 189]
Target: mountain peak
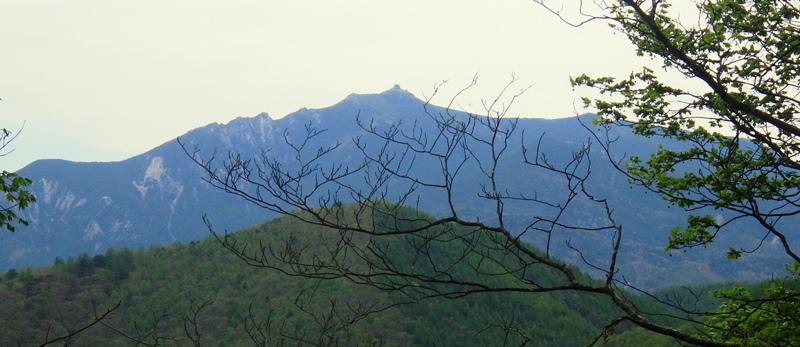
[397, 92]
[385, 99]
[260, 118]
[396, 89]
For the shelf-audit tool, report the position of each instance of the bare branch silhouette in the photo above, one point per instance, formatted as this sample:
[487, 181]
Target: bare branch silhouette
[373, 236]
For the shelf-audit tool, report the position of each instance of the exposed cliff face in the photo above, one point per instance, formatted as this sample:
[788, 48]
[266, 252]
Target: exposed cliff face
[91, 209]
[160, 197]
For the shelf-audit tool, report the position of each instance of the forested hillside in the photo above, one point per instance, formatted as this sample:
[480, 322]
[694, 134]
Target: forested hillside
[162, 290]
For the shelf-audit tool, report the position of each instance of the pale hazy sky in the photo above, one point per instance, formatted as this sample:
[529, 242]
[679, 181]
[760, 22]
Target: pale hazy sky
[104, 80]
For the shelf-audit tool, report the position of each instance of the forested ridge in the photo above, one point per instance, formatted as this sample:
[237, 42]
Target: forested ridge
[159, 288]
[163, 291]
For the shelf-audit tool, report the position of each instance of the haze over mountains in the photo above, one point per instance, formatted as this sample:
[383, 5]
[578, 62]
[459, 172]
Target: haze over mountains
[159, 197]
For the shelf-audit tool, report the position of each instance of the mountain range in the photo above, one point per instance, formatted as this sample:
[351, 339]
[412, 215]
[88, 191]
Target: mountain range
[160, 197]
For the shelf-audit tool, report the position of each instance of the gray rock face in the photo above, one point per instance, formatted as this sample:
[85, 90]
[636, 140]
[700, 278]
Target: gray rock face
[159, 196]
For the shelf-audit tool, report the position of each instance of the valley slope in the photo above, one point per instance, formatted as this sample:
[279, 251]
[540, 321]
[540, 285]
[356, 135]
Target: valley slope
[159, 287]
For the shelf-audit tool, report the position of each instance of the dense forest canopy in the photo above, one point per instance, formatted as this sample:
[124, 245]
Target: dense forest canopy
[162, 287]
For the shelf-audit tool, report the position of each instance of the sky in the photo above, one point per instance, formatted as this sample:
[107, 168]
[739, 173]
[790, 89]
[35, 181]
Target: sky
[106, 80]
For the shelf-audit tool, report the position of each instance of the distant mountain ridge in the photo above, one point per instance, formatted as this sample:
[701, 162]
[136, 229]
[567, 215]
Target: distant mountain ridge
[159, 197]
